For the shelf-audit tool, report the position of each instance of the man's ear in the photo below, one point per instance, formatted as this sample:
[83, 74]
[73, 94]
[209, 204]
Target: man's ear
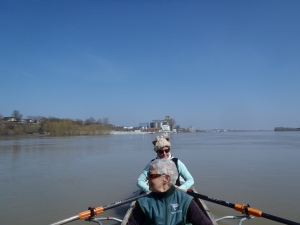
[167, 178]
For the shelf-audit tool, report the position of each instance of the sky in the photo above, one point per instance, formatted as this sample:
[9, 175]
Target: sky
[214, 64]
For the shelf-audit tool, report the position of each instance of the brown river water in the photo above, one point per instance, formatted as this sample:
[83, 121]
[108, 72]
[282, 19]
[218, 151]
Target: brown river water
[46, 179]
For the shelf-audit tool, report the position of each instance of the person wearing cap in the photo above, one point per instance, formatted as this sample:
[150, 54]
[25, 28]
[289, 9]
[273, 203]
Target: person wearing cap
[162, 147]
[166, 205]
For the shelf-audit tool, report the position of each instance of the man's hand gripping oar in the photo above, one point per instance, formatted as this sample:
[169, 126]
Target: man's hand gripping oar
[91, 212]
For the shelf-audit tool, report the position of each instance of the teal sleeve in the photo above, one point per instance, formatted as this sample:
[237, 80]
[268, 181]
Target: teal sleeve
[185, 174]
[142, 180]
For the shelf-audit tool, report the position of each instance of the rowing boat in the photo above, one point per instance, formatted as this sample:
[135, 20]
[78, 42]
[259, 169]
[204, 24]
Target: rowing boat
[248, 212]
[199, 202]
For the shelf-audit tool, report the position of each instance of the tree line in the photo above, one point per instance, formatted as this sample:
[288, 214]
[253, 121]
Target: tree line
[53, 126]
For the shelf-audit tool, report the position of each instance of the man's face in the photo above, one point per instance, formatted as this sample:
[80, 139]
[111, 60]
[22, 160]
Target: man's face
[163, 152]
[155, 184]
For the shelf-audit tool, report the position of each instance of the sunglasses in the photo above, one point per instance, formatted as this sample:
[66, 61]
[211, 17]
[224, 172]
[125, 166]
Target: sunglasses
[154, 175]
[162, 151]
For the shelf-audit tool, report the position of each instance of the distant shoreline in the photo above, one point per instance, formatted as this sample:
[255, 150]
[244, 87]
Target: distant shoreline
[286, 129]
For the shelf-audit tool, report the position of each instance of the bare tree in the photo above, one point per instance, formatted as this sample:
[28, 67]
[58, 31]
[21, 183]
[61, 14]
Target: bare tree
[1, 116]
[17, 115]
[105, 121]
[53, 119]
[99, 121]
[177, 126]
[91, 120]
[79, 122]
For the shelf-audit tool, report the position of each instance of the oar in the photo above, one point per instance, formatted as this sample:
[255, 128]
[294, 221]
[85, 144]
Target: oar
[241, 208]
[97, 210]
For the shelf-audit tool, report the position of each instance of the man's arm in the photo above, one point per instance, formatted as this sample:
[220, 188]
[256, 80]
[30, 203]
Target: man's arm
[185, 174]
[137, 216]
[142, 180]
[196, 216]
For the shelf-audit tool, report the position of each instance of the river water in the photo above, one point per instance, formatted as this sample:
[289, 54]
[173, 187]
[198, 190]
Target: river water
[47, 179]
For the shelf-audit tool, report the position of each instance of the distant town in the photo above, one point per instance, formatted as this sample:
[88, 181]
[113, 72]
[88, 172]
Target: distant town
[167, 124]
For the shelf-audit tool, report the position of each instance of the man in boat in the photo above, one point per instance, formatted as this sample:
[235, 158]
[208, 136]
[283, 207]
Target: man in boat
[162, 147]
[166, 205]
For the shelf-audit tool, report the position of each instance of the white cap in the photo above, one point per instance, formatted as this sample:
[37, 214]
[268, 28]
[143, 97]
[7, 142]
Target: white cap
[160, 142]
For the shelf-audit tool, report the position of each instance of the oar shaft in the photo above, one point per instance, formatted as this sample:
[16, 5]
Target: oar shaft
[116, 204]
[97, 210]
[278, 219]
[251, 211]
[66, 220]
[210, 199]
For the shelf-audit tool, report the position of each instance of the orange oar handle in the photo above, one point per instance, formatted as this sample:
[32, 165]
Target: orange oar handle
[88, 213]
[91, 212]
[251, 211]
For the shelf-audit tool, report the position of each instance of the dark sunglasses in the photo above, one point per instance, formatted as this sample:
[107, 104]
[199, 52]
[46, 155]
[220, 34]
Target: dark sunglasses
[153, 175]
[162, 151]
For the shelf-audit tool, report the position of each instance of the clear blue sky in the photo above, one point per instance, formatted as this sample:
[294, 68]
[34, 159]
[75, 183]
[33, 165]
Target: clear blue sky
[213, 64]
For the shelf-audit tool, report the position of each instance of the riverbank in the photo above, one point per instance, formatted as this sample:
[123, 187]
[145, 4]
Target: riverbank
[286, 129]
[129, 132]
[52, 128]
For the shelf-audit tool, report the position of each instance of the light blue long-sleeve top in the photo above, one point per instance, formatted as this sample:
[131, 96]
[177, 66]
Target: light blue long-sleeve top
[182, 170]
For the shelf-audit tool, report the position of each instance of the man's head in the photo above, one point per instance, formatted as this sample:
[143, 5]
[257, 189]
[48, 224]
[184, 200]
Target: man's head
[162, 175]
[162, 147]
